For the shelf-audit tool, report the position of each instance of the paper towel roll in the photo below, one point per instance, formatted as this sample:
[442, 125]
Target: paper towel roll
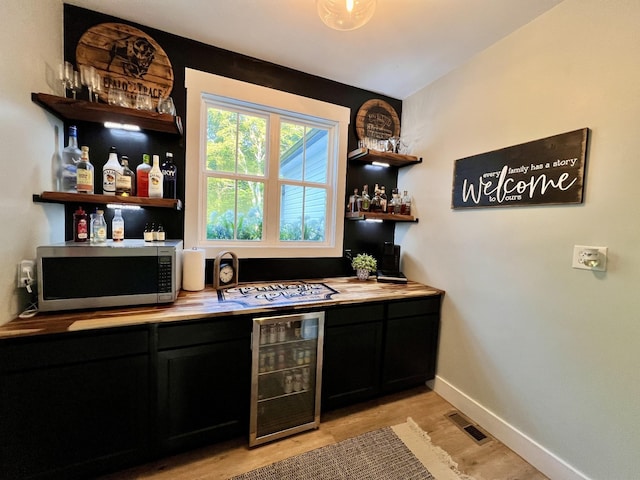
[193, 266]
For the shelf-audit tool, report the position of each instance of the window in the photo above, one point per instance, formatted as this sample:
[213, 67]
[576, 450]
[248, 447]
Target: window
[265, 170]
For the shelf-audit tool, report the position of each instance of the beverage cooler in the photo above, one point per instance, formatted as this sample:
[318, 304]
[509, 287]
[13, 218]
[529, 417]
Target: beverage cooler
[286, 375]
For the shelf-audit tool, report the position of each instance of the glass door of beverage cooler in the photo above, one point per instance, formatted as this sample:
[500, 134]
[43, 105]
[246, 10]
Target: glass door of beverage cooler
[286, 375]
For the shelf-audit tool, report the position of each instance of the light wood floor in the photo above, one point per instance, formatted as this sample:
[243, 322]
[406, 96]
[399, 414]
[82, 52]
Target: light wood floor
[489, 461]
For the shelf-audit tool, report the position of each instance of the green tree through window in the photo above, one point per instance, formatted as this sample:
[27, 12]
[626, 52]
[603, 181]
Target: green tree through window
[237, 158]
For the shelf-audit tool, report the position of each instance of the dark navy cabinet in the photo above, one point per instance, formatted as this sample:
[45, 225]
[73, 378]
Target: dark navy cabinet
[379, 348]
[73, 405]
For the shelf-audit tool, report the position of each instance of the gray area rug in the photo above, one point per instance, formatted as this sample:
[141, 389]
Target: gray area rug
[379, 455]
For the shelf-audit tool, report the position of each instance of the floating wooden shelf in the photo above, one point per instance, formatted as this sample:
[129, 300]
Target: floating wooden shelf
[82, 110]
[387, 217]
[80, 198]
[366, 155]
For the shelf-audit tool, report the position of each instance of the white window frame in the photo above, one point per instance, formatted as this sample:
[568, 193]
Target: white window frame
[202, 85]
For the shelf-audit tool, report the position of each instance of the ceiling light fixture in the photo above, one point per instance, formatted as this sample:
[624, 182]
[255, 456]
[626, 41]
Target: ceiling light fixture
[346, 14]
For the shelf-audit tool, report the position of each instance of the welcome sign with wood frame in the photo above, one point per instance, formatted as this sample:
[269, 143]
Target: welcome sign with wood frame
[546, 171]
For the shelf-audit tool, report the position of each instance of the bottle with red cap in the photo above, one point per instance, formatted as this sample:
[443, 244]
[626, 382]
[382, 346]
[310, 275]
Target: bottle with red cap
[80, 226]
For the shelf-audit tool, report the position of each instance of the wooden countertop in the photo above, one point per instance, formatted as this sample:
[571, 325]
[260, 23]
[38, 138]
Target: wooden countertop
[205, 304]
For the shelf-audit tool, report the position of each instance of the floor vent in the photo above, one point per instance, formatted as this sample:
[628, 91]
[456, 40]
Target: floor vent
[474, 431]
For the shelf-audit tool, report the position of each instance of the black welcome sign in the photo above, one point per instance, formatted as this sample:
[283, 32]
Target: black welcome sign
[546, 171]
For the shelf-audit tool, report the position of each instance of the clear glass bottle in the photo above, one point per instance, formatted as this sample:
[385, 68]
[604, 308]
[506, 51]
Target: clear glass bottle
[405, 207]
[117, 226]
[169, 176]
[354, 201]
[92, 223]
[84, 173]
[160, 235]
[100, 227]
[125, 180]
[110, 173]
[70, 157]
[155, 179]
[142, 177]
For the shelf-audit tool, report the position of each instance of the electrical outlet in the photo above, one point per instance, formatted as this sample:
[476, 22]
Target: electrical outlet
[26, 273]
[581, 254]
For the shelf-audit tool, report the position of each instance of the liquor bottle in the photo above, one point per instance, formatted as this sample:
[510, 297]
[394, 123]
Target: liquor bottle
[155, 179]
[99, 227]
[117, 226]
[110, 173]
[160, 235]
[84, 173]
[366, 200]
[80, 232]
[148, 233]
[70, 157]
[169, 176]
[142, 176]
[383, 199]
[405, 207]
[353, 202]
[125, 180]
[375, 201]
[396, 202]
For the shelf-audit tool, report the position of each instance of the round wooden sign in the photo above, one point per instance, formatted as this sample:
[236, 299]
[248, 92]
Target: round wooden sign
[377, 119]
[127, 59]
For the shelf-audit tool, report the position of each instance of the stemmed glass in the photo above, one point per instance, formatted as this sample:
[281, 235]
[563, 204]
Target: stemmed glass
[87, 75]
[166, 105]
[96, 84]
[76, 85]
[66, 76]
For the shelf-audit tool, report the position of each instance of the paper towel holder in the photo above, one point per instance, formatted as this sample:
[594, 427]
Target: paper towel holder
[225, 272]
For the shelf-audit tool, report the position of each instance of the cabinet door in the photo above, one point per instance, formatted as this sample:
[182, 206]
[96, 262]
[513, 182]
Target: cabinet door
[73, 406]
[352, 352]
[411, 344]
[203, 393]
[351, 371]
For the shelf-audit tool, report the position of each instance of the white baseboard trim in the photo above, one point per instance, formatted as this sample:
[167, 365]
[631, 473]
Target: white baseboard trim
[534, 453]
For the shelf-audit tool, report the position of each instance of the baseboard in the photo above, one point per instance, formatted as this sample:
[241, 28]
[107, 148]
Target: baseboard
[534, 453]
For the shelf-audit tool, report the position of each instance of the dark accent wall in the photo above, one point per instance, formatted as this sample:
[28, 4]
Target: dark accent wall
[184, 52]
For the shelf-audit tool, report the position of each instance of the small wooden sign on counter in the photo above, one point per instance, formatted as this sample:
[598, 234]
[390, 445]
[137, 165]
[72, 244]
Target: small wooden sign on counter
[547, 171]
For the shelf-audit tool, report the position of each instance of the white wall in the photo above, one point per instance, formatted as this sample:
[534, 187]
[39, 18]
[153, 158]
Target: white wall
[30, 50]
[546, 354]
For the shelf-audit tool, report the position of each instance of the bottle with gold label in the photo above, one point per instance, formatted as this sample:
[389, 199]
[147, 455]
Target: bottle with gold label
[84, 173]
[99, 227]
[125, 179]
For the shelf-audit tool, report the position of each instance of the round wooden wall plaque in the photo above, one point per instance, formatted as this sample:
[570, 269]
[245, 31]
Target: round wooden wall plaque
[377, 119]
[126, 58]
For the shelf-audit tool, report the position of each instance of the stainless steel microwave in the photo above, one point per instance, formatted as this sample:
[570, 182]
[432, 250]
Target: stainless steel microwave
[74, 275]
